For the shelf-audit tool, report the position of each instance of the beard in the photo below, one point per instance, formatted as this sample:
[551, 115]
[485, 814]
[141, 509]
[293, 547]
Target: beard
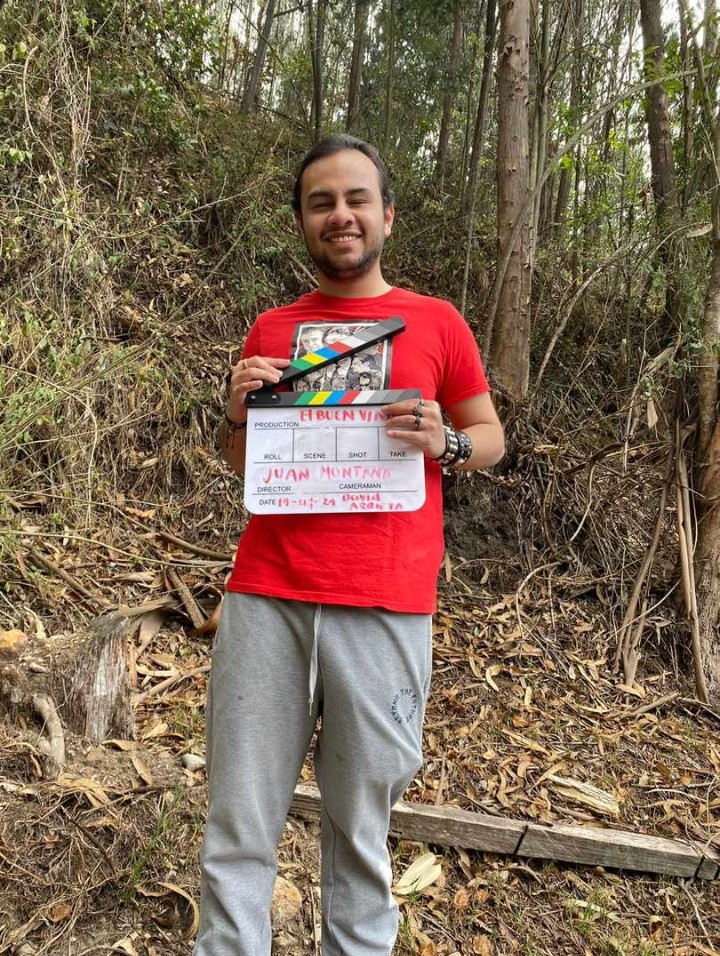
[339, 269]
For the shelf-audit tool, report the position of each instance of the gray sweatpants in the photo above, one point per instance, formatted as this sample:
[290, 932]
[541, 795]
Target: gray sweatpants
[278, 665]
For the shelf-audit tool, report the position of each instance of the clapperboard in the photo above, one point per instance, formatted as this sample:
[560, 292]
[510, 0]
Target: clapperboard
[313, 452]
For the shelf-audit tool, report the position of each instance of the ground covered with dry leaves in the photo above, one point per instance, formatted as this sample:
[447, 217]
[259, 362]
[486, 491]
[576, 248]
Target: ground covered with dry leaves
[525, 709]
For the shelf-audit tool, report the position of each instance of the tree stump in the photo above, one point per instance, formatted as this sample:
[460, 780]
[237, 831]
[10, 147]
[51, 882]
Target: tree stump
[78, 682]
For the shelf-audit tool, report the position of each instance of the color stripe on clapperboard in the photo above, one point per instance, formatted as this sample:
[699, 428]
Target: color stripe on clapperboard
[263, 399]
[336, 350]
[353, 397]
[311, 359]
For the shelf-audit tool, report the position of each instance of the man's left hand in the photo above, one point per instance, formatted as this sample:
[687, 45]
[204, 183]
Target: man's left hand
[419, 422]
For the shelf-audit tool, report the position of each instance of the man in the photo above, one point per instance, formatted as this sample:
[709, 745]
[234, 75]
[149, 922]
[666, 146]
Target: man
[329, 615]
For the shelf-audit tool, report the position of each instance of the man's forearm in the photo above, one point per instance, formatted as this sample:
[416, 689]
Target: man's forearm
[232, 444]
[488, 443]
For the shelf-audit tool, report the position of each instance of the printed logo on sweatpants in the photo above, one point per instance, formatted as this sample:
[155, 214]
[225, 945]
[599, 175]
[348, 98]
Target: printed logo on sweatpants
[404, 705]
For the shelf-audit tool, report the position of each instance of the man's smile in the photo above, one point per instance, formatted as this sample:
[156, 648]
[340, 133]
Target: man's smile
[339, 240]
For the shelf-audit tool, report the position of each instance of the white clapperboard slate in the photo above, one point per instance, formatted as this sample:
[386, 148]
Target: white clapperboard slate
[314, 452]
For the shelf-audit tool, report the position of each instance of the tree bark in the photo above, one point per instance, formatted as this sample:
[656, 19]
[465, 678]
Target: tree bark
[250, 96]
[707, 566]
[478, 139]
[362, 8]
[509, 340]
[657, 113]
[449, 93]
[707, 552]
[566, 171]
[540, 121]
[389, 75]
[316, 25]
[481, 115]
[80, 682]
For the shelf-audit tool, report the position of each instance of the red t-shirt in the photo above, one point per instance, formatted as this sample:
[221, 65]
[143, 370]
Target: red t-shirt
[381, 559]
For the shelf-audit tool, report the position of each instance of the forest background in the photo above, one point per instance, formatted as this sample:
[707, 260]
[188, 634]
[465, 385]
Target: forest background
[555, 166]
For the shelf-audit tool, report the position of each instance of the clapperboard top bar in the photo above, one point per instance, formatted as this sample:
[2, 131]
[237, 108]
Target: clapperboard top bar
[267, 397]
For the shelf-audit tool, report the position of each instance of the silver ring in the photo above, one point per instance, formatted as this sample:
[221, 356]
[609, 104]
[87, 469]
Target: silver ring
[418, 421]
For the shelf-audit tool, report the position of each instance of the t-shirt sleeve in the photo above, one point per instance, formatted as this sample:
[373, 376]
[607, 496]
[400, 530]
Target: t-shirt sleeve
[463, 372]
[252, 342]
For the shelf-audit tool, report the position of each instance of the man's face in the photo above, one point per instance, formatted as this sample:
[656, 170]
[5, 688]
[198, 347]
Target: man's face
[342, 216]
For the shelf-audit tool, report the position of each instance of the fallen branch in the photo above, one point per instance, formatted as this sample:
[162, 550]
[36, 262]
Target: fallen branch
[194, 613]
[627, 646]
[195, 548]
[654, 704]
[168, 682]
[47, 565]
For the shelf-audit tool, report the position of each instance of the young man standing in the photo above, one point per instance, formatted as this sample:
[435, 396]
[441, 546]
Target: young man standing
[329, 615]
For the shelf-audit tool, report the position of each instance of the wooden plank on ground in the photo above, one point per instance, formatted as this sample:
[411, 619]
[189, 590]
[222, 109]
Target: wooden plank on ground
[611, 848]
[450, 826]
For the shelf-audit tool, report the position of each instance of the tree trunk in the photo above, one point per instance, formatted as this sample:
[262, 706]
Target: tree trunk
[509, 340]
[316, 25]
[389, 75]
[710, 45]
[688, 114]
[250, 96]
[449, 93]
[480, 116]
[540, 122]
[566, 171]
[80, 682]
[362, 8]
[469, 104]
[478, 139]
[707, 553]
[662, 164]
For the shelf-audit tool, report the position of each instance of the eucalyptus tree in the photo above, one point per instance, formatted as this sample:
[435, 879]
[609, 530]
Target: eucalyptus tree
[508, 332]
[251, 87]
[360, 23]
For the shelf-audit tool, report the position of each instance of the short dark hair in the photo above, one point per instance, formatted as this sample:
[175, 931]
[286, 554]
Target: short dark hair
[336, 143]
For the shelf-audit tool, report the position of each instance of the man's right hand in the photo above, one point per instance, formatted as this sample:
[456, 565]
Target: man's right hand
[248, 375]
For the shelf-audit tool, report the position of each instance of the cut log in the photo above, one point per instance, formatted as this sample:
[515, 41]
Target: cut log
[79, 682]
[91, 681]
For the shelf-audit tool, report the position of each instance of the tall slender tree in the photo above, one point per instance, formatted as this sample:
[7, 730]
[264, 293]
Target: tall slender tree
[662, 163]
[449, 91]
[391, 28]
[478, 138]
[362, 9]
[508, 332]
[317, 11]
[250, 94]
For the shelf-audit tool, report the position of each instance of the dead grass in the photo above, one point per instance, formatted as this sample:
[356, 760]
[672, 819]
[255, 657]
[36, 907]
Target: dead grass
[133, 275]
[510, 702]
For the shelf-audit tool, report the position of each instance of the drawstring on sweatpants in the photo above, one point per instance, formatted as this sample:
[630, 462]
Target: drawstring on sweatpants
[314, 655]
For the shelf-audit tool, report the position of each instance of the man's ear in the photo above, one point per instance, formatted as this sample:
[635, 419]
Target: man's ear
[389, 219]
[298, 219]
